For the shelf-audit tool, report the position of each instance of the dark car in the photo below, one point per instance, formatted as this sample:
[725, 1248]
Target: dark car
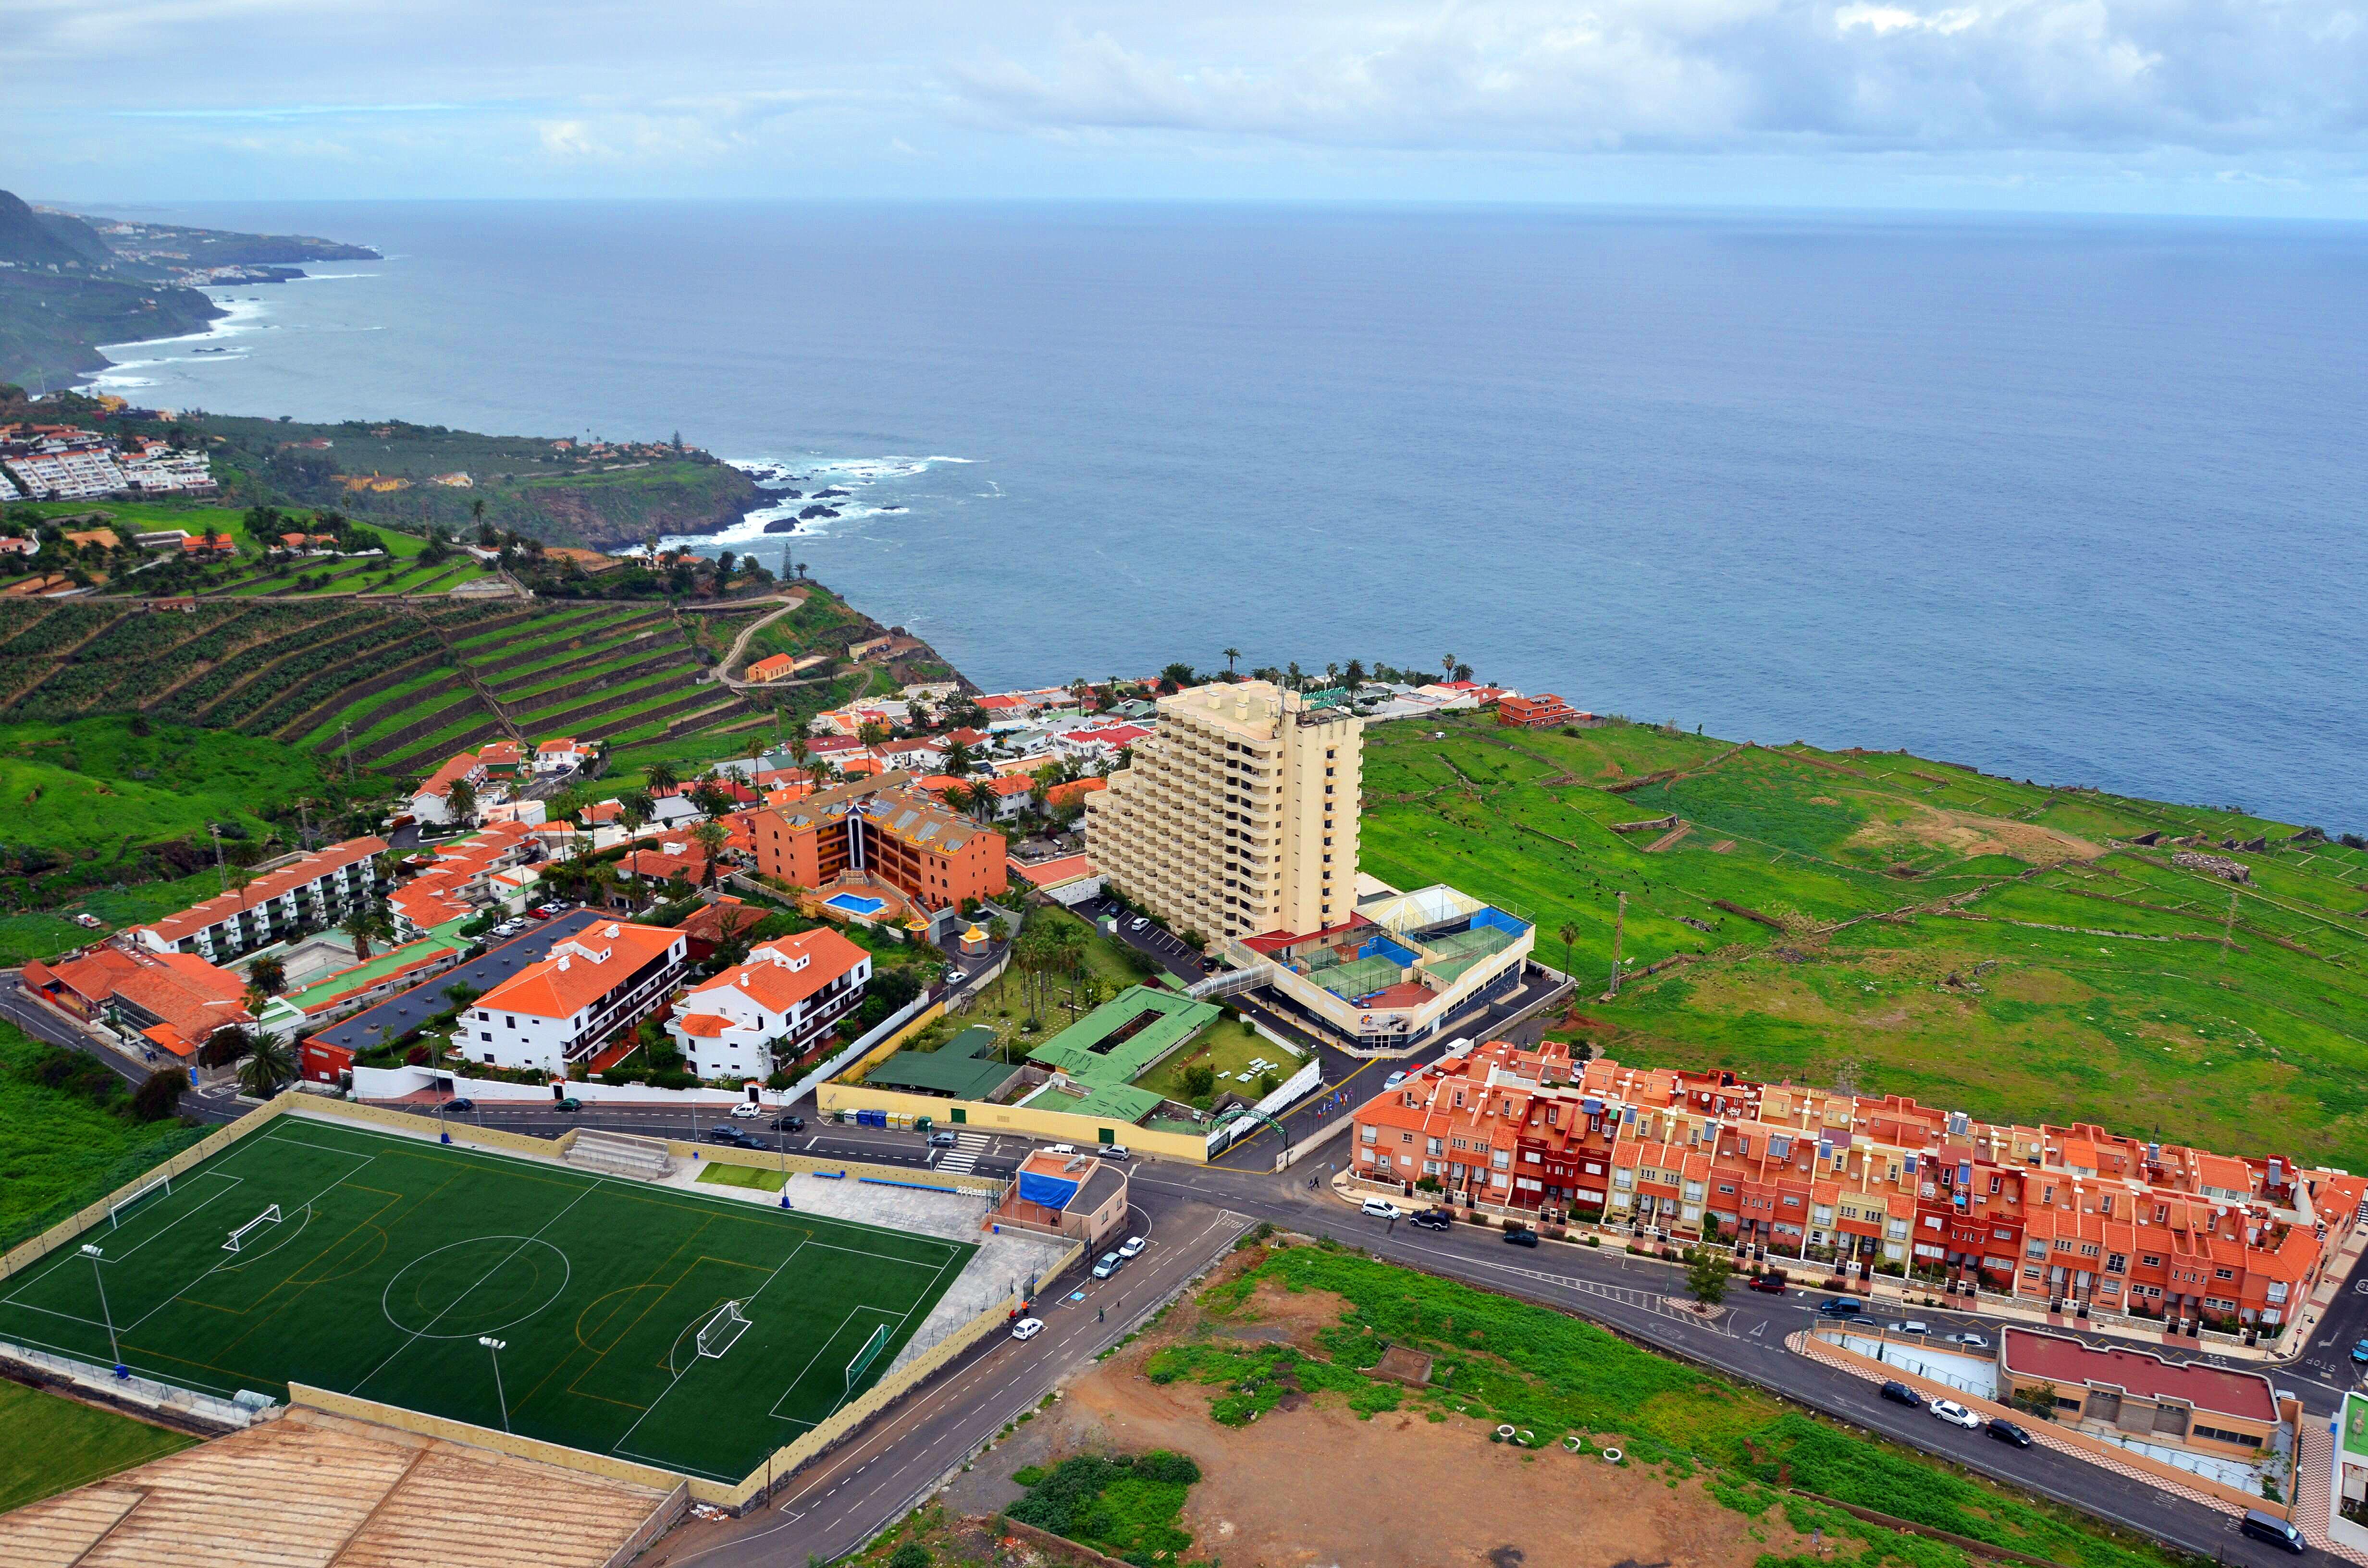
[570, 1103]
[1521, 1238]
[725, 1133]
[461, 1104]
[2007, 1432]
[788, 1124]
[1842, 1307]
[1900, 1393]
[1767, 1284]
[1431, 1219]
[2272, 1528]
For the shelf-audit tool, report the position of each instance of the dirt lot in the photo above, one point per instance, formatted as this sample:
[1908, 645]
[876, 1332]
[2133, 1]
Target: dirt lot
[1970, 834]
[1312, 1486]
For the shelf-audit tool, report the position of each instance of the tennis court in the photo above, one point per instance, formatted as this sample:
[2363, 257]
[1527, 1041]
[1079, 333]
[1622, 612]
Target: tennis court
[692, 1332]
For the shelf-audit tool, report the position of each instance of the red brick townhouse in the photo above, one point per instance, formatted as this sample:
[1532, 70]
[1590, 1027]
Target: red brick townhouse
[2075, 1216]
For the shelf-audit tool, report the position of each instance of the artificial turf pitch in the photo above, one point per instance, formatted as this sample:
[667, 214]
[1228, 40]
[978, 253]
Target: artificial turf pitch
[394, 1256]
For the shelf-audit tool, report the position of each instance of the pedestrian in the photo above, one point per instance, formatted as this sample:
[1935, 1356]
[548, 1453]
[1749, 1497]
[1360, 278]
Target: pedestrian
[1097, 1315]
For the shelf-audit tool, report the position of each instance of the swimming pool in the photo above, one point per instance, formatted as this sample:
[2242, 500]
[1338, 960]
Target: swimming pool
[855, 904]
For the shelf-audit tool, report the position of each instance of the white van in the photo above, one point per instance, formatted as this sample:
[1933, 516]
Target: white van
[1381, 1211]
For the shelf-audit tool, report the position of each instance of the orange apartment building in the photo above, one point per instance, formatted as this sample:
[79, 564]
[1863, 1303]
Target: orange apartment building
[2075, 1217]
[883, 829]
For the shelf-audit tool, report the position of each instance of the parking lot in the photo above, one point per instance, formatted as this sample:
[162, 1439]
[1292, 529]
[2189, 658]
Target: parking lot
[397, 1016]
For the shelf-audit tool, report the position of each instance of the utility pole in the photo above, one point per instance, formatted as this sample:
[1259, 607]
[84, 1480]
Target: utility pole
[305, 822]
[222, 872]
[346, 728]
[2228, 931]
[1619, 926]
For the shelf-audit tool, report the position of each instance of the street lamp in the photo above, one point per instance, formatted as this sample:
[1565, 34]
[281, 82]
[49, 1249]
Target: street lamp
[114, 1350]
[497, 1347]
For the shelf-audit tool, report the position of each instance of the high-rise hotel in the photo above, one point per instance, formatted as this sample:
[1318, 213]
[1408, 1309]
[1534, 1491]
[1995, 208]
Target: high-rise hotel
[1239, 816]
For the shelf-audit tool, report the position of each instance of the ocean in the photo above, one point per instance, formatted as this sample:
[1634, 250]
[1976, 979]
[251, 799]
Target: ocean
[2079, 501]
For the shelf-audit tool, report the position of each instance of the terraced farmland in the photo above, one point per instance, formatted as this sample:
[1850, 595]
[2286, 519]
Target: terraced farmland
[401, 686]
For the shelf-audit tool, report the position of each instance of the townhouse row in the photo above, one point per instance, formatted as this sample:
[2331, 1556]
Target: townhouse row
[2074, 1216]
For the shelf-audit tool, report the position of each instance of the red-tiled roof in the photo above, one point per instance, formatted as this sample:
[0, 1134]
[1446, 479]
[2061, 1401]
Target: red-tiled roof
[190, 995]
[580, 970]
[271, 884]
[772, 983]
[2061, 1360]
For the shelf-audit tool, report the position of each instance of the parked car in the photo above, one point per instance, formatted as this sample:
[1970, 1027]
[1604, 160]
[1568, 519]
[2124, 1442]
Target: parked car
[1393, 1080]
[1138, 923]
[1767, 1284]
[1061, 1149]
[1914, 1325]
[1969, 1339]
[2272, 1528]
[1842, 1307]
[455, 1106]
[788, 1124]
[1379, 1209]
[723, 1133]
[2360, 1352]
[747, 1110]
[570, 1104]
[941, 1139]
[1027, 1328]
[2007, 1432]
[1523, 1238]
[1113, 1152]
[1133, 1247]
[539, 912]
[1111, 1264]
[1955, 1414]
[1433, 1220]
[1900, 1393]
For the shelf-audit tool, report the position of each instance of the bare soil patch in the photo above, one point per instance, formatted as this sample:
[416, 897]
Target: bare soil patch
[1970, 834]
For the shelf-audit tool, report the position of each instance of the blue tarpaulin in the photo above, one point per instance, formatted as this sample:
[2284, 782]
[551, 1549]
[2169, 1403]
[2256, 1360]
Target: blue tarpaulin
[1051, 1192]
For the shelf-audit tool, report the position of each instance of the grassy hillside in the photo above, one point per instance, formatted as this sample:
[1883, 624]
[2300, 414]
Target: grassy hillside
[51, 1444]
[62, 1148]
[1997, 947]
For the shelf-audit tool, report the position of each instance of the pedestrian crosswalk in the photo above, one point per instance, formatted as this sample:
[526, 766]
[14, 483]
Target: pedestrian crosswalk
[963, 1157]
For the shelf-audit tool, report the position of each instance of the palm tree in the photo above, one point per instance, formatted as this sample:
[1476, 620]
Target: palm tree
[366, 919]
[661, 777]
[1569, 934]
[269, 1065]
[1231, 654]
[463, 799]
[631, 810]
[711, 836]
[269, 975]
[958, 758]
[1447, 662]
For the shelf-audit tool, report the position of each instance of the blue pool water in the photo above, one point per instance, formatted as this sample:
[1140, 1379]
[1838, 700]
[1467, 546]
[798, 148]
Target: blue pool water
[856, 904]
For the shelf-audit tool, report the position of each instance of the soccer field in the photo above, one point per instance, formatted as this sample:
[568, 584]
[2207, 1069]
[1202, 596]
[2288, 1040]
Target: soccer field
[388, 1258]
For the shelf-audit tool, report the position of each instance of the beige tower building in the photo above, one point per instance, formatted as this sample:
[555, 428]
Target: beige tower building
[1239, 816]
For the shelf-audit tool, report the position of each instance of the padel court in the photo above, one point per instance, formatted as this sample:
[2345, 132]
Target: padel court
[663, 1326]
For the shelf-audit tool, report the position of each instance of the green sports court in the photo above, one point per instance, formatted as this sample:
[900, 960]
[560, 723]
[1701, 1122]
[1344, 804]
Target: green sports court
[373, 1265]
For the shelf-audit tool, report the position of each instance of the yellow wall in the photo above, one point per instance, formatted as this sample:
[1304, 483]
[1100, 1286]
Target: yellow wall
[1054, 1126]
[722, 1154]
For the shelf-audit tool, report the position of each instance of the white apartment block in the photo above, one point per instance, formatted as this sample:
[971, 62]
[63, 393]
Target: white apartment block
[308, 892]
[766, 1013]
[592, 986]
[1238, 815]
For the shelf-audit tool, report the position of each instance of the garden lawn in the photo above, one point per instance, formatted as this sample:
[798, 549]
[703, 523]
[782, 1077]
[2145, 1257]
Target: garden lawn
[1229, 1045]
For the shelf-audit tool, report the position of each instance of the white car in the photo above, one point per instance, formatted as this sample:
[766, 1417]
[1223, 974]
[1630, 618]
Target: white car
[1379, 1209]
[744, 1112]
[1393, 1080]
[1027, 1328]
[1969, 1340]
[1133, 1247]
[1914, 1325]
[1138, 923]
[1061, 1149]
[1955, 1414]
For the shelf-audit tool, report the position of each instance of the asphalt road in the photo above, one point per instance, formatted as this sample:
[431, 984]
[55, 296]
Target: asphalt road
[40, 1023]
[392, 1018]
[834, 1506]
[1612, 1289]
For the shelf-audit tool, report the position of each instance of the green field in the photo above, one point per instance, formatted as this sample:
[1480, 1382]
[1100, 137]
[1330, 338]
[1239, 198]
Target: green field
[62, 1148]
[1981, 944]
[50, 1444]
[391, 1256]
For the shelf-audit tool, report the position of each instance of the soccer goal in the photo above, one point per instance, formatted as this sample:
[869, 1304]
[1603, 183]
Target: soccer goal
[237, 1242]
[121, 1206]
[864, 1357]
[724, 1326]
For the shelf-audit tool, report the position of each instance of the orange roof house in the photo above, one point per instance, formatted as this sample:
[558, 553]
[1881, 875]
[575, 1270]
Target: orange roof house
[776, 667]
[592, 986]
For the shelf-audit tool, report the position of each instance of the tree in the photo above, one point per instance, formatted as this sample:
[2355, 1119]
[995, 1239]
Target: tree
[256, 999]
[463, 801]
[958, 758]
[1569, 934]
[270, 1065]
[661, 777]
[711, 838]
[367, 919]
[268, 974]
[1354, 675]
[223, 1046]
[634, 809]
[1706, 1274]
[1199, 1080]
[871, 732]
[1447, 663]
[1177, 676]
[1231, 654]
[2039, 1400]
[159, 1094]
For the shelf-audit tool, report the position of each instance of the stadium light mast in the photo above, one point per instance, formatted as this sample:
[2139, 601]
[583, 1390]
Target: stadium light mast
[96, 1256]
[497, 1347]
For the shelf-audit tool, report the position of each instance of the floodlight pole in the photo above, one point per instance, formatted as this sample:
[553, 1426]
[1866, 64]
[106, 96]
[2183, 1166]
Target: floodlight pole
[497, 1347]
[95, 1256]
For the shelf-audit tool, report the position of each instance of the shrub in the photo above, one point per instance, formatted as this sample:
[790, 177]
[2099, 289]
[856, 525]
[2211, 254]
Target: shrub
[159, 1096]
[912, 1554]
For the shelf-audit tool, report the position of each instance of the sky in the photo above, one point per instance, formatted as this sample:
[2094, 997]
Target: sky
[2226, 107]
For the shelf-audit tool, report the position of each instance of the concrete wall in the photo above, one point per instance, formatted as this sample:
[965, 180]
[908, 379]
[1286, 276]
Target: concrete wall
[327, 1109]
[475, 1437]
[803, 1164]
[1052, 1126]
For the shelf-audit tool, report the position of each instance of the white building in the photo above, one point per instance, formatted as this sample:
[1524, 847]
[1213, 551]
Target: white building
[303, 892]
[592, 987]
[561, 755]
[769, 1011]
